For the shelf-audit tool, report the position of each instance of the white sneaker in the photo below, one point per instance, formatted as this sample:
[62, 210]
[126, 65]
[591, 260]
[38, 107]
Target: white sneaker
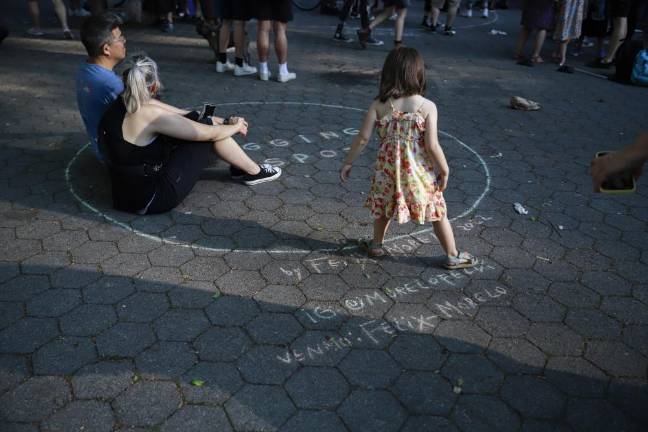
[485, 13]
[265, 76]
[35, 32]
[80, 12]
[282, 78]
[224, 67]
[467, 13]
[246, 69]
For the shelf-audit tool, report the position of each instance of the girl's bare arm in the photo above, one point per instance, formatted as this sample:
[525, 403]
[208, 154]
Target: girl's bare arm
[363, 136]
[433, 147]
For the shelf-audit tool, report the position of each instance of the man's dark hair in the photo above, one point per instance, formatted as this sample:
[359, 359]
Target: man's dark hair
[403, 75]
[96, 31]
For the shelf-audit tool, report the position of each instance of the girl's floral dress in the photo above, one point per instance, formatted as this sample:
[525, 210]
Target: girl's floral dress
[404, 184]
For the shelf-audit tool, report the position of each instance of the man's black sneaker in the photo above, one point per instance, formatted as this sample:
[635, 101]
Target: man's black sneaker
[449, 32]
[341, 37]
[426, 24]
[373, 41]
[435, 28]
[267, 173]
[236, 173]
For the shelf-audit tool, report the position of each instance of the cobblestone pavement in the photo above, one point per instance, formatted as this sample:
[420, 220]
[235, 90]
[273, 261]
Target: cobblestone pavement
[246, 309]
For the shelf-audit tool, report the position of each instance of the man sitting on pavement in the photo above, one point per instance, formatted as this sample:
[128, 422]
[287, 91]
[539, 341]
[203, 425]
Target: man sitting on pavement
[97, 86]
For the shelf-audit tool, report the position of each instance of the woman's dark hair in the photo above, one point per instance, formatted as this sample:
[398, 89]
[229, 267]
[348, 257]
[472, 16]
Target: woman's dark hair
[96, 31]
[402, 75]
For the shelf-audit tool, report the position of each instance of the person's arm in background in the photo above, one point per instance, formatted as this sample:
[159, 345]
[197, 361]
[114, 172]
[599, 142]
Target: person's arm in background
[630, 158]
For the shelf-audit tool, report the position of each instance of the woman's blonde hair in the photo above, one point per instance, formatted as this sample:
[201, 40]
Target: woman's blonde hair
[141, 81]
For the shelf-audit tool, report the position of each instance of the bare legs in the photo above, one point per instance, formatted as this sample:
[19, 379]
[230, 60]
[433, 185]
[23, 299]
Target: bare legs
[442, 229]
[537, 46]
[562, 52]
[59, 9]
[451, 15]
[521, 42]
[618, 35]
[379, 229]
[233, 154]
[281, 41]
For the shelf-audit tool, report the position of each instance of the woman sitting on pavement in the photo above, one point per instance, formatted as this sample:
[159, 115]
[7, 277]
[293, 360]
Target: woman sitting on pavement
[156, 152]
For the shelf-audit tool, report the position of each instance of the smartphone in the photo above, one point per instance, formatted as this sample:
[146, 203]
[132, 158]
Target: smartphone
[207, 111]
[620, 183]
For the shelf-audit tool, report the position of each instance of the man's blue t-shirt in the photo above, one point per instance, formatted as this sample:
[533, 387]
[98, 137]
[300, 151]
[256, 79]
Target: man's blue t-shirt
[96, 87]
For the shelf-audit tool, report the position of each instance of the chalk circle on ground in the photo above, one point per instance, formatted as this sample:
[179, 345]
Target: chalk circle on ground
[124, 222]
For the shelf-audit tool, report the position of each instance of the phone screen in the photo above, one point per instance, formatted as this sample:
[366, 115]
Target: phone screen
[209, 110]
[618, 181]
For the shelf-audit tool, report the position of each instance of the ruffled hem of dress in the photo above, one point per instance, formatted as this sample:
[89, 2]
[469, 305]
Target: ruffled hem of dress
[405, 215]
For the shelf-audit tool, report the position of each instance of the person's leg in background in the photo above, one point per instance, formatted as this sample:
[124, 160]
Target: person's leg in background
[453, 6]
[399, 26]
[281, 49]
[343, 15]
[241, 67]
[427, 12]
[222, 63]
[263, 47]
[61, 14]
[34, 14]
[619, 31]
[537, 46]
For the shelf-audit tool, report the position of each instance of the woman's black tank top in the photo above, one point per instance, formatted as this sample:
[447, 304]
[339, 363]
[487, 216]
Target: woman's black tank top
[131, 192]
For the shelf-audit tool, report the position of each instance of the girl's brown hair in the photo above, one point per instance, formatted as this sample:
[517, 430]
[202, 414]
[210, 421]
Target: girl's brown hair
[403, 74]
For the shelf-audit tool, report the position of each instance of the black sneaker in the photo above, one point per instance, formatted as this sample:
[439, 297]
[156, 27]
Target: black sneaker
[449, 32]
[341, 37]
[236, 173]
[434, 29]
[373, 41]
[426, 24]
[267, 173]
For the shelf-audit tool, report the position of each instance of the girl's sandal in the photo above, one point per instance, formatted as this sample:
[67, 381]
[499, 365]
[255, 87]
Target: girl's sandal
[374, 251]
[462, 260]
[537, 60]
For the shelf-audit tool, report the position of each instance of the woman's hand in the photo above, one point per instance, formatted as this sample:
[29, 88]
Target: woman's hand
[442, 181]
[240, 123]
[345, 171]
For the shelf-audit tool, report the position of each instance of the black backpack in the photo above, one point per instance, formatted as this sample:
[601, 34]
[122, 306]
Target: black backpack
[625, 58]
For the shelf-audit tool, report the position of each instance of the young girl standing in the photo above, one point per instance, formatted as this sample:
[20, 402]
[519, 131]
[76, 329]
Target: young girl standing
[411, 171]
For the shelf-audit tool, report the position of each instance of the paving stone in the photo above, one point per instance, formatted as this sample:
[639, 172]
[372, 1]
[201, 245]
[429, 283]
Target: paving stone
[366, 410]
[626, 310]
[17, 427]
[13, 370]
[53, 303]
[484, 413]
[425, 393]
[244, 283]
[428, 423]
[108, 290]
[314, 420]
[595, 415]
[368, 333]
[573, 295]
[126, 264]
[197, 418]
[462, 337]
[35, 399]
[576, 377]
[165, 360]
[204, 268]
[532, 397]
[317, 388]
[75, 276]
[283, 272]
[181, 325]
[65, 240]
[259, 408]
[557, 271]
[193, 295]
[539, 308]
[63, 356]
[88, 320]
[10, 312]
[280, 298]
[369, 368]
[631, 396]
[27, 334]
[240, 261]
[274, 328]
[45, 263]
[324, 287]
[23, 288]
[593, 324]
[533, 425]
[125, 340]
[147, 403]
[7, 271]
[158, 279]
[500, 321]
[93, 252]
[616, 359]
[142, 307]
[472, 373]
[417, 352]
[221, 381]
[81, 415]
[222, 344]
[555, 339]
[264, 365]
[103, 380]
[230, 310]
[636, 336]
[18, 250]
[317, 348]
